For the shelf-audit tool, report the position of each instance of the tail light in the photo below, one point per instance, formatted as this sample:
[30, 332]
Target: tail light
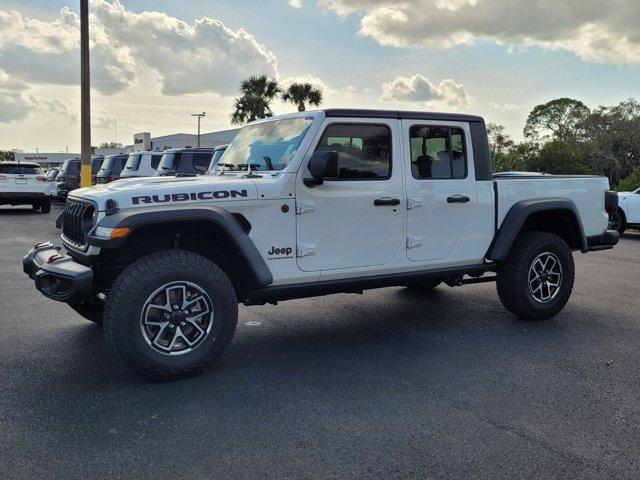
[2, 178]
[41, 178]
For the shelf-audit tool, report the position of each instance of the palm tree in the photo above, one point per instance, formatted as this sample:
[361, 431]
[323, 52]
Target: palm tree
[257, 93]
[301, 94]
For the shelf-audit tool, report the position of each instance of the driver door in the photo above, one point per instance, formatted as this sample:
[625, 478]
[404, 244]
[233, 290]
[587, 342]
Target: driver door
[355, 220]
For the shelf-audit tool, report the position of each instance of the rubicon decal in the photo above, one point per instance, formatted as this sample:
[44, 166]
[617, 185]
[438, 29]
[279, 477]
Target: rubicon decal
[184, 197]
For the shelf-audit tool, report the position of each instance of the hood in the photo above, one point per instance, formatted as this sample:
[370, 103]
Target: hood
[149, 191]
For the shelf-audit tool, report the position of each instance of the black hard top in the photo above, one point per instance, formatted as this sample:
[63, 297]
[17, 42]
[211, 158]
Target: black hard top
[400, 114]
[189, 149]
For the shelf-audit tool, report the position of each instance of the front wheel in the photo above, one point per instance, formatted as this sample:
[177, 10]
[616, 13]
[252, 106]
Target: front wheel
[536, 279]
[170, 314]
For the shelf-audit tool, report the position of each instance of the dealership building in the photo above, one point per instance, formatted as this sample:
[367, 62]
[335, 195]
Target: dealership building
[141, 142]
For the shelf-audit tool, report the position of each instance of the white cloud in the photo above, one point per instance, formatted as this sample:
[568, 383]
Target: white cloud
[205, 56]
[295, 3]
[54, 105]
[505, 107]
[590, 29]
[419, 89]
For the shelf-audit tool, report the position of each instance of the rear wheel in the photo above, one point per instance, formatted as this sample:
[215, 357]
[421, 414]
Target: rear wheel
[45, 206]
[171, 314]
[536, 280]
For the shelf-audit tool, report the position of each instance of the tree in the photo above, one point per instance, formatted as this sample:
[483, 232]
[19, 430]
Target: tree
[631, 183]
[558, 157]
[559, 119]
[7, 155]
[110, 145]
[612, 139]
[254, 103]
[302, 93]
[501, 145]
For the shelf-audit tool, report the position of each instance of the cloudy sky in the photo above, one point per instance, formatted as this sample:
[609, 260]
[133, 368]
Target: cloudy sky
[156, 61]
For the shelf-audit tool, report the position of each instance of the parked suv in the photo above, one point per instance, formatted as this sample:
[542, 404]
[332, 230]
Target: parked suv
[185, 161]
[111, 168]
[68, 178]
[217, 153]
[141, 164]
[337, 201]
[24, 184]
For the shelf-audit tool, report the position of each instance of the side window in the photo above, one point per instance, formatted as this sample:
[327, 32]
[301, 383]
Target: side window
[438, 152]
[364, 151]
[155, 161]
[201, 161]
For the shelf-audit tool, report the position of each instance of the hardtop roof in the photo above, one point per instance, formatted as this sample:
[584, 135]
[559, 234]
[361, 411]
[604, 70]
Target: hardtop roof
[401, 114]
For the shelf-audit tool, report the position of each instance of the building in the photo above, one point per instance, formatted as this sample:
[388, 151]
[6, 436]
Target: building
[141, 142]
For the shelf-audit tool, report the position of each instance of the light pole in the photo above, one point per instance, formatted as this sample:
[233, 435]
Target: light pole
[85, 97]
[199, 115]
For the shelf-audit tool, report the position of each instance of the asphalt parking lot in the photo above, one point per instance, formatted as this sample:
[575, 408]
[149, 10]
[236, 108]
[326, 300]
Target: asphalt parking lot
[388, 385]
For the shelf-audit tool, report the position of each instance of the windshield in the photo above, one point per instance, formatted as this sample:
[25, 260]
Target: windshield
[214, 159]
[106, 164]
[637, 191]
[133, 163]
[169, 162]
[265, 146]
[95, 165]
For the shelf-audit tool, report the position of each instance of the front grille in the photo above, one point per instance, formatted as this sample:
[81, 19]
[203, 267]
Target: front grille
[77, 220]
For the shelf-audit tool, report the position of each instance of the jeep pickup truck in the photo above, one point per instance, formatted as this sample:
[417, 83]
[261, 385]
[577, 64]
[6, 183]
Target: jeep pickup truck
[309, 204]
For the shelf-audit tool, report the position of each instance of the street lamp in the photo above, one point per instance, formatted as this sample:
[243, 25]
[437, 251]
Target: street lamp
[199, 115]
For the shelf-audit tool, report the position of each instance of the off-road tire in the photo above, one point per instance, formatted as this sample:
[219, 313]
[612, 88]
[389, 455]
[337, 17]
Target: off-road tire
[617, 222]
[45, 207]
[423, 285]
[513, 276]
[132, 288]
[90, 311]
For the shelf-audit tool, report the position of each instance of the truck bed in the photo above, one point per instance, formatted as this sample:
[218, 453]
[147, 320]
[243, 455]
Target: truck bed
[586, 191]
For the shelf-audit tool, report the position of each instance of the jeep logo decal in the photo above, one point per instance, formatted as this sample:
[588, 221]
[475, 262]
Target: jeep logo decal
[183, 197]
[279, 253]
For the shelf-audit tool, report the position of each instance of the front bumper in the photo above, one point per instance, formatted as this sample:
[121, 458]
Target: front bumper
[22, 198]
[58, 276]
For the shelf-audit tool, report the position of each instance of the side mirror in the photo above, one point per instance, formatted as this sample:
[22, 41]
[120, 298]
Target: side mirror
[323, 164]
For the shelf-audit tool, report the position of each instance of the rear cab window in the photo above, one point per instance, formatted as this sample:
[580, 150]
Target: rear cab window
[437, 153]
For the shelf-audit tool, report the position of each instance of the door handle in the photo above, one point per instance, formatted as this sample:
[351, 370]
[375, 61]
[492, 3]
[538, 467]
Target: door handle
[458, 199]
[379, 202]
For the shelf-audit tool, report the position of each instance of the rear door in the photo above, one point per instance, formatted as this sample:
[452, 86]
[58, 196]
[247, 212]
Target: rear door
[441, 186]
[355, 220]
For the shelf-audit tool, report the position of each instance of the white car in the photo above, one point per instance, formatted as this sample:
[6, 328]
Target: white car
[23, 183]
[308, 204]
[141, 164]
[628, 214]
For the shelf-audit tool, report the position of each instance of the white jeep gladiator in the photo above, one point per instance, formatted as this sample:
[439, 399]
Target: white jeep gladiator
[309, 204]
